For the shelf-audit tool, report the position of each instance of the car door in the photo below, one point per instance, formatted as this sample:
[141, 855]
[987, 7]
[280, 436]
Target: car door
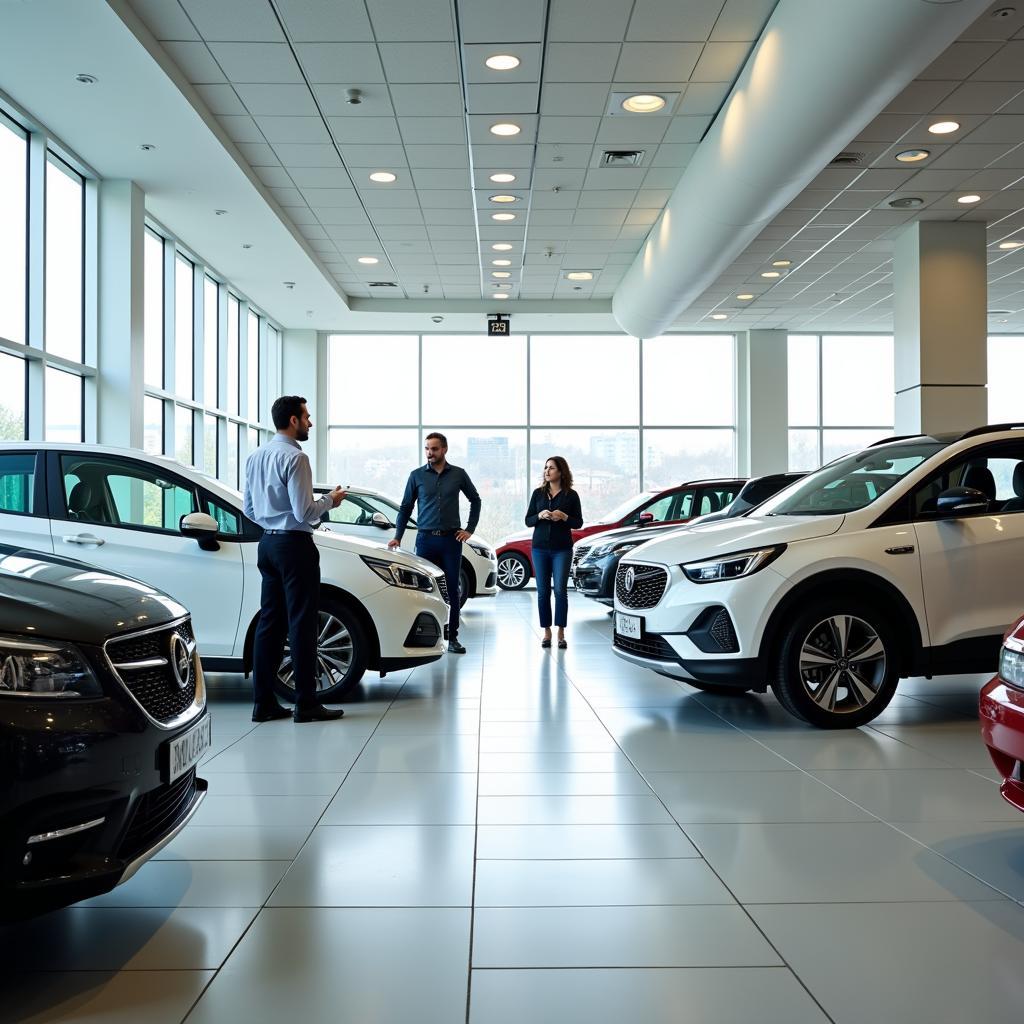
[122, 514]
[970, 565]
[24, 521]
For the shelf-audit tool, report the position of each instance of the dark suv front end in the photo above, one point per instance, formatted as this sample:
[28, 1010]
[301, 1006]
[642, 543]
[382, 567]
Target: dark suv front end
[102, 722]
[595, 559]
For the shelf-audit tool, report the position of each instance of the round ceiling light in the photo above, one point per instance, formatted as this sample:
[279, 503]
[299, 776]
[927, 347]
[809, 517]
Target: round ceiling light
[944, 127]
[770, 273]
[503, 216]
[504, 199]
[906, 202]
[501, 246]
[644, 103]
[501, 263]
[968, 200]
[745, 296]
[1011, 245]
[503, 178]
[384, 177]
[579, 275]
[913, 156]
[500, 295]
[84, 79]
[505, 128]
[369, 260]
[782, 263]
[719, 316]
[500, 273]
[502, 62]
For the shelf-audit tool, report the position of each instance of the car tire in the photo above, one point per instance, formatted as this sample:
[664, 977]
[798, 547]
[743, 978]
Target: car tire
[513, 571]
[341, 655]
[838, 664]
[464, 588]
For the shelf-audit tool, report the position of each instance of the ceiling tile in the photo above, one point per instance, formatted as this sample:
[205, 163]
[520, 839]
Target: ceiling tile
[665, 20]
[721, 62]
[321, 199]
[288, 196]
[742, 20]
[549, 199]
[1008, 128]
[257, 153]
[614, 178]
[960, 60]
[442, 131]
[292, 129]
[662, 177]
[456, 157]
[588, 20]
[195, 61]
[551, 154]
[427, 100]
[607, 217]
[658, 62]
[241, 128]
[477, 71]
[503, 99]
[221, 99]
[444, 198]
[320, 177]
[559, 176]
[366, 130]
[349, 64]
[293, 154]
[277, 99]
[673, 155]
[687, 129]
[1005, 66]
[969, 157]
[423, 21]
[581, 62]
[384, 157]
[489, 21]
[420, 62]
[574, 98]
[320, 21]
[568, 129]
[703, 98]
[921, 96]
[983, 97]
[274, 177]
[164, 20]
[436, 179]
[237, 20]
[270, 63]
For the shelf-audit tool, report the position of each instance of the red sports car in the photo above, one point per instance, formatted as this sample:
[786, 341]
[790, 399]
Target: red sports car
[1002, 716]
[674, 505]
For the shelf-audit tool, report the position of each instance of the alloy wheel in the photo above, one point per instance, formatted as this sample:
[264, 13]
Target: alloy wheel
[511, 573]
[333, 655]
[842, 664]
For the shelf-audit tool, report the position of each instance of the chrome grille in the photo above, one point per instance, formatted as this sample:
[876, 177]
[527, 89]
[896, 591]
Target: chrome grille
[649, 583]
[442, 585]
[142, 662]
[579, 553]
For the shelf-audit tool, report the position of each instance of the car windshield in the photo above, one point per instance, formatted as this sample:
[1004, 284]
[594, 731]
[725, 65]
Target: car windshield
[852, 482]
[620, 512]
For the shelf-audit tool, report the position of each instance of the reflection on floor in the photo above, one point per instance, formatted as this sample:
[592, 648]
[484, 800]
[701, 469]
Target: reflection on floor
[555, 836]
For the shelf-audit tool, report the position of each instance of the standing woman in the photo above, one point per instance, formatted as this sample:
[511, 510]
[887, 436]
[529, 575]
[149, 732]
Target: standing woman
[554, 513]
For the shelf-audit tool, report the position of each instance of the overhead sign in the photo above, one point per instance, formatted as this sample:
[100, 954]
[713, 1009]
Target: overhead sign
[498, 326]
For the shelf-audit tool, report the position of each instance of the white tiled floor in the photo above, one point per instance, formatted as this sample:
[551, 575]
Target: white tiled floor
[557, 837]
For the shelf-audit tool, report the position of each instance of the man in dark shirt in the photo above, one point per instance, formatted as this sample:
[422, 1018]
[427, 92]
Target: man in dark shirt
[436, 487]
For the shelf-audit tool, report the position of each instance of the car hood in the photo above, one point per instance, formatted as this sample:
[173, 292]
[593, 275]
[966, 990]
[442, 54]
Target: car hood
[692, 543]
[62, 599]
[329, 541]
[630, 533]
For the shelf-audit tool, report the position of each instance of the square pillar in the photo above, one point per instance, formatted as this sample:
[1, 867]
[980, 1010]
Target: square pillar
[762, 403]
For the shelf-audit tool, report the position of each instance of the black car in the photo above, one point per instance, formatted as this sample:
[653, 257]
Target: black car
[596, 558]
[102, 721]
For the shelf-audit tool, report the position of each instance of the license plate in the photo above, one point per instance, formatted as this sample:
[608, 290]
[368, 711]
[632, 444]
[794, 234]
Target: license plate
[185, 751]
[629, 625]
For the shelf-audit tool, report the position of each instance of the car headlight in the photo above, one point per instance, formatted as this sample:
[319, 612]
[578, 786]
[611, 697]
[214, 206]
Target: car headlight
[483, 551]
[612, 549]
[40, 668]
[396, 575]
[1011, 667]
[731, 567]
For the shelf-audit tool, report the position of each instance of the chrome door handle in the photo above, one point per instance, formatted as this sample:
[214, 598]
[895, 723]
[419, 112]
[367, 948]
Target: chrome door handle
[85, 539]
[906, 549]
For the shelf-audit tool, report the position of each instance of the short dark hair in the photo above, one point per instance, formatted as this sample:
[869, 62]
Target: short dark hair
[440, 437]
[285, 408]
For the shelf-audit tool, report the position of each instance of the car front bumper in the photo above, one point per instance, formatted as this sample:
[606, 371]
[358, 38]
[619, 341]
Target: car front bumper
[1001, 714]
[396, 612]
[596, 579]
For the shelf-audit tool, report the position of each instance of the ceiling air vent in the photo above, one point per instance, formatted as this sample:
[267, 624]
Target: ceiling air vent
[848, 158]
[622, 157]
[383, 284]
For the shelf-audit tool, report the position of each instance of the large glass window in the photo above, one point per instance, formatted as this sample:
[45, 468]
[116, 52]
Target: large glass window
[63, 406]
[210, 433]
[153, 425]
[153, 309]
[65, 232]
[380, 460]
[211, 336]
[690, 380]
[183, 434]
[252, 365]
[184, 334]
[673, 457]
[234, 326]
[473, 379]
[1005, 373]
[374, 380]
[13, 230]
[12, 398]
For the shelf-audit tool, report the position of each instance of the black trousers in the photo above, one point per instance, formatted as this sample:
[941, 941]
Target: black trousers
[446, 553]
[289, 603]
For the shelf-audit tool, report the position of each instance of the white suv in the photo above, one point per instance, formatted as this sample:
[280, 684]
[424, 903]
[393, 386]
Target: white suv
[370, 515]
[174, 528]
[902, 559]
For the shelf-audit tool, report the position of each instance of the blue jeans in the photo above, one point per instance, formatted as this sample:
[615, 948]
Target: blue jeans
[552, 567]
[446, 554]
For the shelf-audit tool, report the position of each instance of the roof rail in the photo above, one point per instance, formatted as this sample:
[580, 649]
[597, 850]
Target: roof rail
[895, 437]
[992, 428]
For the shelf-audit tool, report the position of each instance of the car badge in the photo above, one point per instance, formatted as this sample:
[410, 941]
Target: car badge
[629, 580]
[181, 662]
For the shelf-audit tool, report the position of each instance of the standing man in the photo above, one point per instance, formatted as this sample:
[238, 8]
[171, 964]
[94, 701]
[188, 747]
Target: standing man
[436, 486]
[279, 497]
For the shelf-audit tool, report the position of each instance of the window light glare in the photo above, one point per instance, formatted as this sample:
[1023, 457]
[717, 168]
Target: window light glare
[579, 275]
[968, 200]
[913, 156]
[369, 260]
[643, 103]
[384, 177]
[503, 216]
[505, 128]
[502, 62]
[503, 178]
[501, 246]
[944, 127]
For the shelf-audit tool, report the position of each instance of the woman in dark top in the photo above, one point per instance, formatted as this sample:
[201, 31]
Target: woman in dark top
[554, 513]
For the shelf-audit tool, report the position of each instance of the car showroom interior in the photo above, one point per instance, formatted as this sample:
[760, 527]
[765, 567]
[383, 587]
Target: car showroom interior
[511, 511]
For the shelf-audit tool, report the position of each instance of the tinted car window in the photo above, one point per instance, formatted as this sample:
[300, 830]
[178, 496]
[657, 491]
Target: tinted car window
[992, 470]
[659, 509]
[228, 519]
[17, 482]
[714, 499]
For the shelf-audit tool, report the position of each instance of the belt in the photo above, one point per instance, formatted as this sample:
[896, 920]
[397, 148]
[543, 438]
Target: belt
[442, 533]
[301, 533]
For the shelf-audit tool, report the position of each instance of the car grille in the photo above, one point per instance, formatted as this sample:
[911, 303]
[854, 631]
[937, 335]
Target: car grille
[648, 587]
[156, 687]
[579, 553]
[442, 585]
[651, 646]
[156, 814]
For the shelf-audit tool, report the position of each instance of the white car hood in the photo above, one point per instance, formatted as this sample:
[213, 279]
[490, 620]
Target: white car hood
[328, 540]
[691, 544]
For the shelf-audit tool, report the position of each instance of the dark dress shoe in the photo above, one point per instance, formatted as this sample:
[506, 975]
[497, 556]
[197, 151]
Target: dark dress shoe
[317, 713]
[454, 647]
[270, 714]
[546, 642]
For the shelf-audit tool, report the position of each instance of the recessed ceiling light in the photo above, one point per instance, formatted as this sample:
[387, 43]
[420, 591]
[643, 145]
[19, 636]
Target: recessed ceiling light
[503, 216]
[84, 79]
[644, 103]
[147, 147]
[943, 127]
[967, 200]
[501, 263]
[782, 263]
[1011, 245]
[504, 199]
[719, 316]
[385, 177]
[745, 296]
[503, 178]
[369, 260]
[906, 202]
[770, 273]
[913, 156]
[501, 246]
[502, 62]
[500, 295]
[500, 273]
[579, 275]
[505, 128]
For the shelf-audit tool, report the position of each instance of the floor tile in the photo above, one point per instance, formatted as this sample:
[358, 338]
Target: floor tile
[556, 761]
[626, 809]
[956, 745]
[659, 751]
[710, 936]
[592, 741]
[860, 748]
[381, 866]
[905, 963]
[251, 811]
[581, 842]
[597, 883]
[562, 783]
[157, 997]
[286, 783]
[727, 995]
[829, 863]
[399, 752]
[404, 798]
[199, 842]
[379, 965]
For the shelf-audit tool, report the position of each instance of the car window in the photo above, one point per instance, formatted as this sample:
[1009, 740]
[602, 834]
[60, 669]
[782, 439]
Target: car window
[990, 469]
[17, 482]
[714, 499]
[116, 492]
[351, 512]
[661, 508]
[229, 520]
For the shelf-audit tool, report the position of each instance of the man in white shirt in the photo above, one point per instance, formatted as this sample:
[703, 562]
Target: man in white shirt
[279, 498]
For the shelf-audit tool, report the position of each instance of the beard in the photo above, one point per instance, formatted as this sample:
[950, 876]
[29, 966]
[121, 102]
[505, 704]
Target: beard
[301, 435]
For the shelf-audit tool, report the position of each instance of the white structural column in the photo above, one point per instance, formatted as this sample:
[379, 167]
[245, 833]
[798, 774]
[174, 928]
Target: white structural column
[300, 375]
[120, 341]
[762, 407]
[940, 321]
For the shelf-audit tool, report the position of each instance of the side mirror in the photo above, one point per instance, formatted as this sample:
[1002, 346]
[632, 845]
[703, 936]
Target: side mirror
[202, 528]
[646, 518]
[381, 521]
[961, 501]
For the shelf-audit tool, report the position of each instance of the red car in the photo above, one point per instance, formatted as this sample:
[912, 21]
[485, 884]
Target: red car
[675, 505]
[1001, 713]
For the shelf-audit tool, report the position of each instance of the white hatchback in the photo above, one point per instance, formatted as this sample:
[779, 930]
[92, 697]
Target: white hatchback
[371, 515]
[174, 528]
[902, 559]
